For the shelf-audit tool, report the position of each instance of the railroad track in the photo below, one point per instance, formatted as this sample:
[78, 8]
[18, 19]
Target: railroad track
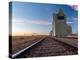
[46, 46]
[14, 55]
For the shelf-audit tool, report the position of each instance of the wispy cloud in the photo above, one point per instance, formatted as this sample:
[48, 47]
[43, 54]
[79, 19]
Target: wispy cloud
[75, 7]
[70, 22]
[75, 18]
[40, 22]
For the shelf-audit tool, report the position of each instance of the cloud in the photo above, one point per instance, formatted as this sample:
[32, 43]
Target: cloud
[75, 18]
[70, 22]
[72, 18]
[40, 22]
[75, 7]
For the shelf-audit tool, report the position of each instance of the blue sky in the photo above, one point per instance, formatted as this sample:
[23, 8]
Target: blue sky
[37, 17]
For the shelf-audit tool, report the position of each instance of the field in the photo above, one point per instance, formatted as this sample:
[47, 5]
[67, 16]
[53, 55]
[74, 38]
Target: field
[61, 43]
[20, 42]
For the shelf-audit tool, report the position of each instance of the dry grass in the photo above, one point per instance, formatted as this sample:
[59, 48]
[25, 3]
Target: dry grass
[19, 42]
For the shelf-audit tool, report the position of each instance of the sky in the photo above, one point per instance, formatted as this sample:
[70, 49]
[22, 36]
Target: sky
[36, 18]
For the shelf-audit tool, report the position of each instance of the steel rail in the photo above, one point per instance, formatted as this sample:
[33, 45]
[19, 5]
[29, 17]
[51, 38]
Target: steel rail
[21, 51]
